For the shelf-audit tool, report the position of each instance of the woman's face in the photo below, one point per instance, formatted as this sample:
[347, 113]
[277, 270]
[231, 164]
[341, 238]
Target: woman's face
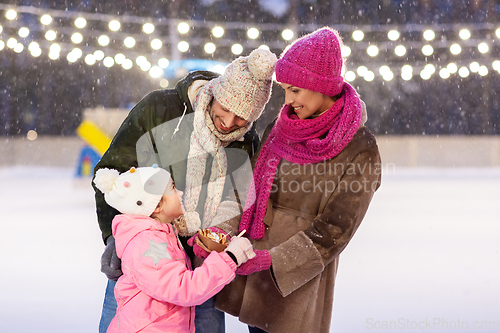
[224, 120]
[306, 102]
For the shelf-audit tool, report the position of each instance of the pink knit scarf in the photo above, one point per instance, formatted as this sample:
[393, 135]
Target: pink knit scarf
[300, 141]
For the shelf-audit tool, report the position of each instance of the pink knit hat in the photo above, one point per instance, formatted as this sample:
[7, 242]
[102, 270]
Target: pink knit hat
[313, 62]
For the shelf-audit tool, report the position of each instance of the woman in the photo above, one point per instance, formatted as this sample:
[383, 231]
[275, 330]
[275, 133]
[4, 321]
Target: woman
[314, 178]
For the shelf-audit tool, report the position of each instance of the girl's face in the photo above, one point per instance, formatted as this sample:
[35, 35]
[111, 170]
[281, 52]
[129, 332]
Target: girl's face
[170, 207]
[306, 102]
[224, 120]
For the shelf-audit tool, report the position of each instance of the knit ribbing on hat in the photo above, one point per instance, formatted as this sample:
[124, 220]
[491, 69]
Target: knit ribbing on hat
[245, 86]
[313, 62]
[299, 141]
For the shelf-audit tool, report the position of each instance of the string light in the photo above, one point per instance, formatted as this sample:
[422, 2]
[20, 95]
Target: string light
[112, 50]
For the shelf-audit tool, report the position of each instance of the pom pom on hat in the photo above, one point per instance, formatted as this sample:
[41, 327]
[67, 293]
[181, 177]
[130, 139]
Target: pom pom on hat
[245, 86]
[135, 192]
[105, 179]
[313, 62]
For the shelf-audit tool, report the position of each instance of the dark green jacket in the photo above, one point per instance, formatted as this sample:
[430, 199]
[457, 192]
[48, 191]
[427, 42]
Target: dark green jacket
[146, 137]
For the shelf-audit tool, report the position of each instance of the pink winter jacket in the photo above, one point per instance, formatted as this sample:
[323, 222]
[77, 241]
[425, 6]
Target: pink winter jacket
[158, 290]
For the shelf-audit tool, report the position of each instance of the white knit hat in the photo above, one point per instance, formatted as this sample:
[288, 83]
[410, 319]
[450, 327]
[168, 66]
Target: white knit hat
[135, 192]
[245, 86]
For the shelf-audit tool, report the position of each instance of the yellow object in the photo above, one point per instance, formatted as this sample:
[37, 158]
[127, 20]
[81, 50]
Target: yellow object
[93, 136]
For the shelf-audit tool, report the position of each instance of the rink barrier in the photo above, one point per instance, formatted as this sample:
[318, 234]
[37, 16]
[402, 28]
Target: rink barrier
[398, 151]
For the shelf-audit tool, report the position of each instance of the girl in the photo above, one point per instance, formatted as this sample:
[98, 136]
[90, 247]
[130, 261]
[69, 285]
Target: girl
[158, 290]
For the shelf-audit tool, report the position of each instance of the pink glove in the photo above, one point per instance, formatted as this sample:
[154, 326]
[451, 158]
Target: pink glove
[198, 251]
[260, 262]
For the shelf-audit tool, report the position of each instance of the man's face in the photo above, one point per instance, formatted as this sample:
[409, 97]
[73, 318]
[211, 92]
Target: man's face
[224, 120]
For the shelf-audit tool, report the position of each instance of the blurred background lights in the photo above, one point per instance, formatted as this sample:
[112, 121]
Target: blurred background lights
[163, 62]
[455, 49]
[31, 135]
[183, 28]
[362, 71]
[372, 50]
[11, 43]
[183, 46]
[24, 32]
[496, 65]
[114, 25]
[140, 60]
[253, 33]
[427, 50]
[77, 52]
[11, 14]
[452, 67]
[80, 22]
[127, 64]
[350, 76]
[145, 66]
[429, 35]
[483, 47]
[129, 42]
[50, 35]
[71, 57]
[156, 44]
[219, 69]
[1, 29]
[388, 76]
[497, 32]
[77, 38]
[483, 70]
[55, 48]
[218, 32]
[209, 48]
[425, 75]
[108, 62]
[120, 58]
[155, 72]
[237, 49]
[33, 46]
[369, 76]
[408, 75]
[384, 70]
[345, 51]
[474, 67]
[463, 72]
[287, 34]
[400, 50]
[90, 59]
[54, 55]
[430, 68]
[464, 34]
[358, 35]
[99, 55]
[148, 28]
[2, 45]
[444, 73]
[264, 47]
[164, 83]
[103, 40]
[393, 35]
[46, 19]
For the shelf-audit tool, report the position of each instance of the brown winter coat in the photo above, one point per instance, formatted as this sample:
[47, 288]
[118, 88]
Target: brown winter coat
[313, 212]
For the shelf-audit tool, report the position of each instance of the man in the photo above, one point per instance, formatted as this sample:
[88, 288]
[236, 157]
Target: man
[201, 132]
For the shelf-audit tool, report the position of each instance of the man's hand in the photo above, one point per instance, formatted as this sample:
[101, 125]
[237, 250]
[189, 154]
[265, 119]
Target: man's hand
[110, 263]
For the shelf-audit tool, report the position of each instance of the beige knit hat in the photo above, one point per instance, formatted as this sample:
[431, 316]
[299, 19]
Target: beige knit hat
[245, 86]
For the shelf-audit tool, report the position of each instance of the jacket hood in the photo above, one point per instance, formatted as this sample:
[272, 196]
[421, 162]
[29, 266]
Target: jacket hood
[126, 227]
[182, 86]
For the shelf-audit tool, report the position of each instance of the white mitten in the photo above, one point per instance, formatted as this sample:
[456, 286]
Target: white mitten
[241, 248]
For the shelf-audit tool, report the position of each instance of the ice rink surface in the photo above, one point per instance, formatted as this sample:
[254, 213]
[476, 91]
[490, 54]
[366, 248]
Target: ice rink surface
[425, 259]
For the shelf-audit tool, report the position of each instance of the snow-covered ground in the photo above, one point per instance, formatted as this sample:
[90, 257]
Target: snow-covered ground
[426, 257]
